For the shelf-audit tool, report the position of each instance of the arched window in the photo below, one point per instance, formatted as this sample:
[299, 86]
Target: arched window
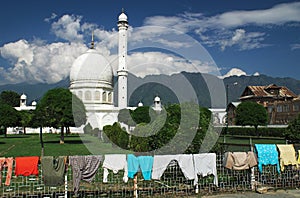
[97, 95]
[104, 98]
[109, 97]
[88, 95]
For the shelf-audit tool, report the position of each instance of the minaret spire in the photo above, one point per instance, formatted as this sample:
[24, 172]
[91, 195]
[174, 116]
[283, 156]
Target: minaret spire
[122, 68]
[92, 43]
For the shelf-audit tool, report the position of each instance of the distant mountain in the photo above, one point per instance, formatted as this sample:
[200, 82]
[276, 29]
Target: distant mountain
[172, 89]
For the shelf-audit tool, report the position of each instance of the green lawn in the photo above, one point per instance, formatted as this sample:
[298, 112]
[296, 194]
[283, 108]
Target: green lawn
[29, 145]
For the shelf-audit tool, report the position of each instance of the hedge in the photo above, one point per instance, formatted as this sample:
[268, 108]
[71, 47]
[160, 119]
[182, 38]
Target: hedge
[250, 131]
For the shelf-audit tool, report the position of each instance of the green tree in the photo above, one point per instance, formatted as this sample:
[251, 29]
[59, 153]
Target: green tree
[293, 129]
[9, 117]
[59, 108]
[251, 113]
[10, 98]
[25, 119]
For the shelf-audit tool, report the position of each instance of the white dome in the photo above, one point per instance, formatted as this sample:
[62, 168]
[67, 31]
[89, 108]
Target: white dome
[91, 66]
[140, 104]
[122, 17]
[23, 97]
[157, 99]
[33, 103]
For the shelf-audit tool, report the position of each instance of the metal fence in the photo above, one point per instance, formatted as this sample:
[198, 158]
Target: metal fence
[172, 183]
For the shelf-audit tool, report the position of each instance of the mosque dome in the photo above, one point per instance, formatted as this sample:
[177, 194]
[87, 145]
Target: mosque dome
[157, 99]
[123, 17]
[23, 97]
[91, 66]
[33, 103]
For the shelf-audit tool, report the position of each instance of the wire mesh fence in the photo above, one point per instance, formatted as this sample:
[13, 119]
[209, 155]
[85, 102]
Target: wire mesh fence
[172, 183]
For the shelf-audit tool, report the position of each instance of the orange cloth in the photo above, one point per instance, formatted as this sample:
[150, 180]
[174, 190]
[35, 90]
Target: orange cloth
[27, 166]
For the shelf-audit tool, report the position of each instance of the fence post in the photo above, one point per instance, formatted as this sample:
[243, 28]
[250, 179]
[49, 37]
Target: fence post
[66, 182]
[252, 169]
[135, 191]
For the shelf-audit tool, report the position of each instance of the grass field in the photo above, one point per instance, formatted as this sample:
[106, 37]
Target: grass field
[29, 145]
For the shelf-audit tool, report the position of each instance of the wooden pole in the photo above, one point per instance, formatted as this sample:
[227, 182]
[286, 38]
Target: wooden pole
[135, 191]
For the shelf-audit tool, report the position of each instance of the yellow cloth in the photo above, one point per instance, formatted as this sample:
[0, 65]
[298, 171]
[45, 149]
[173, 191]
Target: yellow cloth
[287, 155]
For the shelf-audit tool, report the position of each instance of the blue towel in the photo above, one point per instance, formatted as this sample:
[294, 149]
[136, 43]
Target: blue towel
[143, 163]
[267, 154]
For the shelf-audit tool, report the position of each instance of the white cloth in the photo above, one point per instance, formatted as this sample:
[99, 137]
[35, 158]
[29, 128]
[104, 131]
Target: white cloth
[205, 164]
[185, 162]
[115, 162]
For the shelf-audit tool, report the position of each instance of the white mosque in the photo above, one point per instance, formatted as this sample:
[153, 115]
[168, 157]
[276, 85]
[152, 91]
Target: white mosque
[91, 79]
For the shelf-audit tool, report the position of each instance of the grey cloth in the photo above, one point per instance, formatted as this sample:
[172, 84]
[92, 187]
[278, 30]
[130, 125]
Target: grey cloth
[53, 170]
[84, 168]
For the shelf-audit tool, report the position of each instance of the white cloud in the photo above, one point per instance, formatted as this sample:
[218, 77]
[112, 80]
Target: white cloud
[32, 62]
[224, 29]
[295, 46]
[68, 27]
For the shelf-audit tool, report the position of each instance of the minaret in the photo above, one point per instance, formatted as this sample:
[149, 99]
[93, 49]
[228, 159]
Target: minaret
[122, 70]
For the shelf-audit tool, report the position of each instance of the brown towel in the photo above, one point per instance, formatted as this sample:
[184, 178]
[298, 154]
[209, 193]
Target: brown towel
[239, 160]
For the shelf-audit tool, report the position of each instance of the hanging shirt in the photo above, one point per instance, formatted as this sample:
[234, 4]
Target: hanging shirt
[205, 164]
[185, 162]
[267, 154]
[27, 166]
[83, 168]
[239, 160]
[143, 163]
[53, 170]
[115, 162]
[6, 163]
[287, 155]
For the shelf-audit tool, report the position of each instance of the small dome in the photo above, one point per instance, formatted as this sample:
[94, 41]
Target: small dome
[23, 97]
[33, 103]
[123, 17]
[157, 99]
[91, 66]
[140, 104]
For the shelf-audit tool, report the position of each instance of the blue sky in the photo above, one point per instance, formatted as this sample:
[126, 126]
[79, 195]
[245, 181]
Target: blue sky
[40, 39]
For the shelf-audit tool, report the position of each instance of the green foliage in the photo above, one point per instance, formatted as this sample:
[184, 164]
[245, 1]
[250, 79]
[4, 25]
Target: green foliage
[10, 98]
[251, 113]
[59, 108]
[124, 116]
[9, 117]
[292, 132]
[117, 135]
[141, 115]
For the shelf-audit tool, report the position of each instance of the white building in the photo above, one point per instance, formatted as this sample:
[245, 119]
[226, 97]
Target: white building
[23, 104]
[91, 79]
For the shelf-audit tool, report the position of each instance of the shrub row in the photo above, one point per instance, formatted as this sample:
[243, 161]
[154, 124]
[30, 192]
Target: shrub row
[250, 131]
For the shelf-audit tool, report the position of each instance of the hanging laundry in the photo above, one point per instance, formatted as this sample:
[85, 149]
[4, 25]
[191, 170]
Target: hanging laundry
[287, 155]
[27, 166]
[239, 160]
[115, 162]
[267, 154]
[185, 162]
[298, 157]
[205, 164]
[143, 163]
[84, 168]
[53, 170]
[6, 163]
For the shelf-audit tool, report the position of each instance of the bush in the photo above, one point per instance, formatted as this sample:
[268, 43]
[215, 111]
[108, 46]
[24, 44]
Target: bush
[250, 131]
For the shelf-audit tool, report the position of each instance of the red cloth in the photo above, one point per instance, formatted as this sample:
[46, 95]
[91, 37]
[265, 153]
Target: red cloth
[27, 166]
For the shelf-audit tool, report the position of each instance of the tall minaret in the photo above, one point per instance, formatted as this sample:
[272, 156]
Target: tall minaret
[122, 70]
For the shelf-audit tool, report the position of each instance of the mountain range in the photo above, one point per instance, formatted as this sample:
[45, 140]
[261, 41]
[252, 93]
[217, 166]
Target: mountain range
[172, 89]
